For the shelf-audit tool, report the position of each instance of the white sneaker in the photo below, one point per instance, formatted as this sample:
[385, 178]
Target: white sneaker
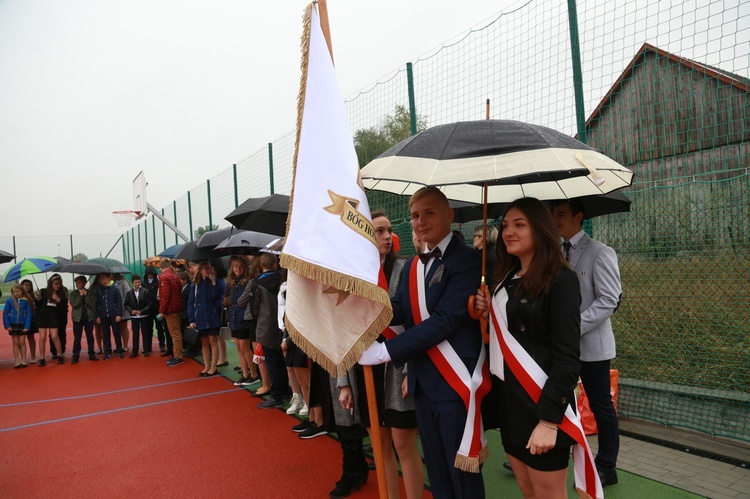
[304, 411]
[296, 404]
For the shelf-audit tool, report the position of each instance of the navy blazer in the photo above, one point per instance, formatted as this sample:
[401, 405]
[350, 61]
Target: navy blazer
[447, 298]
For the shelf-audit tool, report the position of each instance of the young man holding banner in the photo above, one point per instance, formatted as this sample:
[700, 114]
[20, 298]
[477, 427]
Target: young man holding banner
[447, 362]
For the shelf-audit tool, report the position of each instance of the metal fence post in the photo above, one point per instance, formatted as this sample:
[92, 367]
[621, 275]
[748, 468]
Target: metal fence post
[575, 53]
[412, 102]
[210, 217]
[140, 255]
[236, 190]
[145, 235]
[15, 260]
[164, 230]
[124, 245]
[153, 233]
[174, 208]
[270, 165]
[190, 216]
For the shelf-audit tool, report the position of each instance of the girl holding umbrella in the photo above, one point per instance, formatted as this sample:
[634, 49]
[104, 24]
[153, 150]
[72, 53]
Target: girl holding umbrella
[535, 321]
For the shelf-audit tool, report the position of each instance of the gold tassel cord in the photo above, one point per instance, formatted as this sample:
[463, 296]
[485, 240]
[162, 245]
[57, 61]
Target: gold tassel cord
[305, 47]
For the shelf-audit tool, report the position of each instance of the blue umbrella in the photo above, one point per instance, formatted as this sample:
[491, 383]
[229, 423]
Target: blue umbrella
[34, 265]
[172, 250]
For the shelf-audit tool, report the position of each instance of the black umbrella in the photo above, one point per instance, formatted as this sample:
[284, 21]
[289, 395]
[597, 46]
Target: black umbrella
[267, 214]
[605, 204]
[244, 242]
[213, 238]
[192, 253]
[112, 265]
[86, 268]
[593, 206]
[5, 257]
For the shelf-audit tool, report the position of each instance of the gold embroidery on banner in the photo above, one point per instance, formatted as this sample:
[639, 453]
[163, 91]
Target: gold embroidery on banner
[342, 295]
[346, 208]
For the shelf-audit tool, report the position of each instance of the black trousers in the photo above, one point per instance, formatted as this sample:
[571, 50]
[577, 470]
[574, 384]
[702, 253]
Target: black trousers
[142, 329]
[160, 328]
[441, 427]
[277, 373]
[109, 328]
[595, 380]
[78, 329]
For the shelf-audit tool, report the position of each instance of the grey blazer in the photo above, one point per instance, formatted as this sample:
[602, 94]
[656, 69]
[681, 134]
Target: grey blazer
[595, 264]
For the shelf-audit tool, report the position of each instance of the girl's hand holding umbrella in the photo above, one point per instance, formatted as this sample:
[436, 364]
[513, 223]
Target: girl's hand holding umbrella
[481, 301]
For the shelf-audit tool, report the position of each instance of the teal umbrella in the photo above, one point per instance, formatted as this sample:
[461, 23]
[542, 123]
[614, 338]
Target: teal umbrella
[34, 265]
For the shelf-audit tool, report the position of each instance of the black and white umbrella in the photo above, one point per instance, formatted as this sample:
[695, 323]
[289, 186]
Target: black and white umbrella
[514, 159]
[495, 161]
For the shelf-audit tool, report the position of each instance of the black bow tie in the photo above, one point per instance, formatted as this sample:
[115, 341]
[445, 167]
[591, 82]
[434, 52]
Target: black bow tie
[425, 257]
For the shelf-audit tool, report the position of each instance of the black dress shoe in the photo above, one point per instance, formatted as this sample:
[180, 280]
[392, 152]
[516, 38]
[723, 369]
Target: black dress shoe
[166, 353]
[134, 354]
[507, 466]
[607, 477]
[223, 364]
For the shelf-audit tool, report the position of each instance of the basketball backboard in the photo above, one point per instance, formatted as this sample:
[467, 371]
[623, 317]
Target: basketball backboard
[140, 203]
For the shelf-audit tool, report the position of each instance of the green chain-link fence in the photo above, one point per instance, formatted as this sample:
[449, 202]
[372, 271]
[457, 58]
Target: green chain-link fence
[663, 90]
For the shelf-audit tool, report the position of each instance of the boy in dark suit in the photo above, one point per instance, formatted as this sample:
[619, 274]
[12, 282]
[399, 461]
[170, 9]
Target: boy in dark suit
[451, 274]
[137, 303]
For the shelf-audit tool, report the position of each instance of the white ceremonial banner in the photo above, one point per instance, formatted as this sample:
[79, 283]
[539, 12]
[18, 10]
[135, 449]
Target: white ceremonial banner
[335, 308]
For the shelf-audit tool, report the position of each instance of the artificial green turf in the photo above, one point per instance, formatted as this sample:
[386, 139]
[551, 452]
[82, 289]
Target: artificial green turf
[498, 482]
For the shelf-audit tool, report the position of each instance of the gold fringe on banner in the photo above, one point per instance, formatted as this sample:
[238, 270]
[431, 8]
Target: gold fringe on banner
[328, 277]
[305, 46]
[352, 356]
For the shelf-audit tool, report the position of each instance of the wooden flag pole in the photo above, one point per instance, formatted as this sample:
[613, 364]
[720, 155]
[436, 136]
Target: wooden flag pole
[372, 404]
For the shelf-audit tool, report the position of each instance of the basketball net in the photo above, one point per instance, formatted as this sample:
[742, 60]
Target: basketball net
[125, 217]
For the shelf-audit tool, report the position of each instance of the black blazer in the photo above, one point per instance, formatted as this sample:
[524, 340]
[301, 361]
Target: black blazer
[143, 303]
[548, 328]
[450, 282]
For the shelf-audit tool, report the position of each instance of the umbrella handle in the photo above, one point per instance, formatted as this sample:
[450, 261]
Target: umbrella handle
[479, 315]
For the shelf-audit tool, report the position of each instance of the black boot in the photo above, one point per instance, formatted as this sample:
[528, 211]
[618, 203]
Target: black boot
[344, 487]
[352, 477]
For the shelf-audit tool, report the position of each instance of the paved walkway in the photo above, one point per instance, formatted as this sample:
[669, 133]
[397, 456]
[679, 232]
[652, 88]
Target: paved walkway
[699, 475]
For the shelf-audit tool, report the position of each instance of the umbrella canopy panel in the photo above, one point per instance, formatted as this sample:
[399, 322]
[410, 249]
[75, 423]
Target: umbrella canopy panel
[267, 214]
[192, 253]
[516, 160]
[244, 242]
[213, 238]
[5, 257]
[112, 265]
[172, 250]
[86, 268]
[33, 265]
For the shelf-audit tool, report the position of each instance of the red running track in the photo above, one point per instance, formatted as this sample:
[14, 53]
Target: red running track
[136, 428]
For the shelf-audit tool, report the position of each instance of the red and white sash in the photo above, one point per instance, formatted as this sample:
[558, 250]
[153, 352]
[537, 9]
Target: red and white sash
[533, 378]
[470, 387]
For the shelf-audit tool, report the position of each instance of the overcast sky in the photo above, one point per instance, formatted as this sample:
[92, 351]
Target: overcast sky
[94, 91]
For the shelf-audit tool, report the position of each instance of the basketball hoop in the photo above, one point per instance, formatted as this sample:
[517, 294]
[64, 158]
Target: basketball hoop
[125, 217]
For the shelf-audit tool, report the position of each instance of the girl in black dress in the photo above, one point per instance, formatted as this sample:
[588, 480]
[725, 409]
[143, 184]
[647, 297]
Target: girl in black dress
[537, 304]
[48, 318]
